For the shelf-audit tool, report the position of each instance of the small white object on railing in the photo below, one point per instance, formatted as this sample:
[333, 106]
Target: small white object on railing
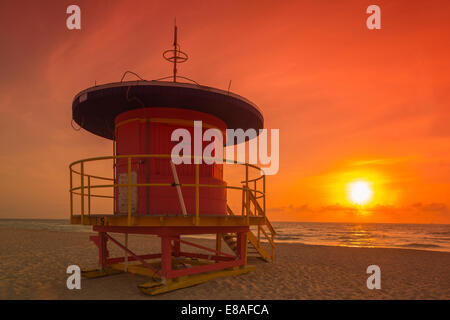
[177, 185]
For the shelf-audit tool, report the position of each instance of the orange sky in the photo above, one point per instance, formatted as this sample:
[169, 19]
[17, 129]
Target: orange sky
[350, 103]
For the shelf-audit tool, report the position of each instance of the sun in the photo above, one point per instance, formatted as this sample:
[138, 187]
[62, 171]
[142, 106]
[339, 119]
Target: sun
[359, 192]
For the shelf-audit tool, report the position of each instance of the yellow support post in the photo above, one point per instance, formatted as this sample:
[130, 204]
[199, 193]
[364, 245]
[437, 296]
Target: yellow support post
[71, 195]
[82, 190]
[89, 195]
[247, 194]
[197, 193]
[114, 176]
[129, 191]
[264, 194]
[243, 202]
[259, 234]
[255, 195]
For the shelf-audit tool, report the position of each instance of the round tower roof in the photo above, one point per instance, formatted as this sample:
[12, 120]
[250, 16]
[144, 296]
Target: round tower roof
[95, 108]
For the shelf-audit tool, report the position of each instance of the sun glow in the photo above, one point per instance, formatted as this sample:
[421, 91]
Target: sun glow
[359, 192]
[355, 189]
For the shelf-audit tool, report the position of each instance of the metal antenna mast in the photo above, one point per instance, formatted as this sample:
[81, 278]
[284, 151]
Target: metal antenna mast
[175, 55]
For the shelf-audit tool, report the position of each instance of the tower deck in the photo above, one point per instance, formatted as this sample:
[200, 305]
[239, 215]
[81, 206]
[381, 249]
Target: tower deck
[121, 220]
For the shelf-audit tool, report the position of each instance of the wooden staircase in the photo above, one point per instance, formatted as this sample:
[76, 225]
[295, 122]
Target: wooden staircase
[262, 250]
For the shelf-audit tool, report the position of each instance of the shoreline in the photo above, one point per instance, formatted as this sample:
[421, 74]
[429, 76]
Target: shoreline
[33, 266]
[277, 242]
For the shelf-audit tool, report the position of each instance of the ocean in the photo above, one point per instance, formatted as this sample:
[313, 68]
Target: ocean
[373, 235]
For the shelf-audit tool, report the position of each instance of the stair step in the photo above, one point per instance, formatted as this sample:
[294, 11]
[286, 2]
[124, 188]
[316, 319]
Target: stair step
[257, 249]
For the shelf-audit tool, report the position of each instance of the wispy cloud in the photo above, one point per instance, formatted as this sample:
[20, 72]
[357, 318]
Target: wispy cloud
[382, 161]
[414, 213]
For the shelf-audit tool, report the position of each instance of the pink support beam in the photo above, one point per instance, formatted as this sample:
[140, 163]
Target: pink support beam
[103, 249]
[241, 245]
[204, 248]
[101, 242]
[166, 256]
[132, 253]
[171, 246]
[122, 259]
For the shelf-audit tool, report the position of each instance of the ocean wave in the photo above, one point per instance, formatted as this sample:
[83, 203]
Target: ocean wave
[441, 233]
[286, 238]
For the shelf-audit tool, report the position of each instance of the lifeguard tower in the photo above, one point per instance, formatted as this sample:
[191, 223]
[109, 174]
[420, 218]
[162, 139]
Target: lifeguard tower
[150, 195]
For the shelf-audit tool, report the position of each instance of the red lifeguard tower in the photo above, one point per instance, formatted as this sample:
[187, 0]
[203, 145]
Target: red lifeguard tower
[151, 195]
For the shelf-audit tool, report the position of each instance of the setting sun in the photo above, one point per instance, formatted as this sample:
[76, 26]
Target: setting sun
[360, 192]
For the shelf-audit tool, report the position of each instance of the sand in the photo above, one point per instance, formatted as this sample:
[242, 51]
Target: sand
[33, 266]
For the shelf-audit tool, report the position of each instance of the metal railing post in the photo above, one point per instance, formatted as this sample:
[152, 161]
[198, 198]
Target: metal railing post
[82, 190]
[89, 195]
[255, 195]
[264, 195]
[114, 176]
[71, 194]
[129, 191]
[243, 202]
[247, 203]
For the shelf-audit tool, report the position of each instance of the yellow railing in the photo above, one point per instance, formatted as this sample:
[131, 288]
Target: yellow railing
[85, 191]
[260, 211]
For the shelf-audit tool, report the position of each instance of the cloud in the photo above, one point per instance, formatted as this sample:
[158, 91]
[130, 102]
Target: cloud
[414, 213]
[382, 161]
[439, 208]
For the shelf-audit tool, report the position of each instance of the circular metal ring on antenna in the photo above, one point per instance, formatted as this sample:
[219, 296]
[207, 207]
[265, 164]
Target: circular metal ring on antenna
[177, 56]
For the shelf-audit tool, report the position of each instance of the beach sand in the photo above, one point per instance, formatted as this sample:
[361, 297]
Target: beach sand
[33, 266]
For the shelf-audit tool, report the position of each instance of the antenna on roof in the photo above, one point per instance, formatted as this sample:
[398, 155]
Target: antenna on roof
[175, 55]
